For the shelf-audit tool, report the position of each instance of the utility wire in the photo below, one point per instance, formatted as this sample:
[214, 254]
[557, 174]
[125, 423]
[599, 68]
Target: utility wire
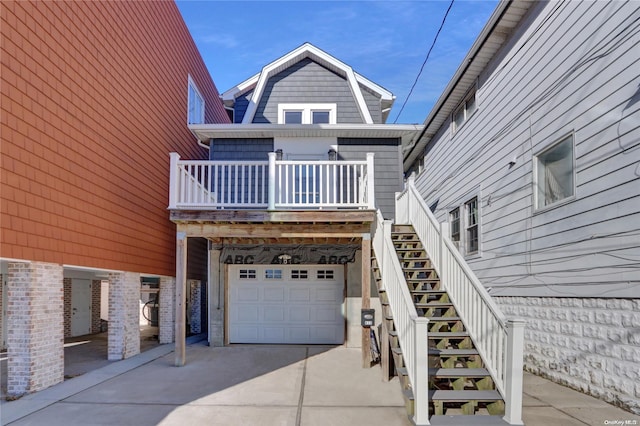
[425, 62]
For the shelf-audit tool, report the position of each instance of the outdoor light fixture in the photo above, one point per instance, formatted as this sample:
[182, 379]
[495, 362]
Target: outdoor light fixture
[333, 155]
[278, 154]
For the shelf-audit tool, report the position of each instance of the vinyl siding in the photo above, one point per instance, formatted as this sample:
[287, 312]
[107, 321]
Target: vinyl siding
[94, 98]
[373, 104]
[387, 164]
[241, 105]
[240, 149]
[558, 75]
[307, 82]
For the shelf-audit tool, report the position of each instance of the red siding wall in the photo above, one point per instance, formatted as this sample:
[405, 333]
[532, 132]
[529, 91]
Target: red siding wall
[94, 97]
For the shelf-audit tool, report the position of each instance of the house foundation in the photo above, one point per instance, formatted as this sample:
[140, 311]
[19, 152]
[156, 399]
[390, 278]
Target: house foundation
[124, 328]
[35, 341]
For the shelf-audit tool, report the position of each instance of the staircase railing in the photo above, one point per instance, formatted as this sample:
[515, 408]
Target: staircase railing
[499, 340]
[411, 329]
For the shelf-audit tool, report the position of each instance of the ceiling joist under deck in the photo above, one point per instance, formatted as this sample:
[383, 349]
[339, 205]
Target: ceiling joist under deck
[215, 231]
[305, 217]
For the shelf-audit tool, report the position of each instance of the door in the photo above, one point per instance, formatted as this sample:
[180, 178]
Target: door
[80, 307]
[289, 304]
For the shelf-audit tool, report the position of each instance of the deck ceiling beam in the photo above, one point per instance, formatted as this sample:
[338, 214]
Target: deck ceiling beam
[263, 216]
[305, 230]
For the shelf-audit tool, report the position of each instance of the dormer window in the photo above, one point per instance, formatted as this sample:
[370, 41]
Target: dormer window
[464, 111]
[307, 114]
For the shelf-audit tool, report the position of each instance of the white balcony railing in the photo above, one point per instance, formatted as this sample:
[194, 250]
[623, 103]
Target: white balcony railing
[272, 184]
[500, 341]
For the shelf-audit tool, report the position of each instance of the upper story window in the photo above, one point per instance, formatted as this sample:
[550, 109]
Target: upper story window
[464, 111]
[195, 103]
[306, 113]
[554, 173]
[454, 221]
[471, 207]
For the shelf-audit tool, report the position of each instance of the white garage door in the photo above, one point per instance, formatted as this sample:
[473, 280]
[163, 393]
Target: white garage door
[286, 304]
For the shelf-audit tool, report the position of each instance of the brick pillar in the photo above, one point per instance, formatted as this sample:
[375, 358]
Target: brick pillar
[124, 315]
[167, 310]
[35, 341]
[195, 306]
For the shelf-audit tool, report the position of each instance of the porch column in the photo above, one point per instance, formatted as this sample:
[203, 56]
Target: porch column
[167, 310]
[216, 300]
[124, 315]
[181, 297]
[366, 298]
[35, 326]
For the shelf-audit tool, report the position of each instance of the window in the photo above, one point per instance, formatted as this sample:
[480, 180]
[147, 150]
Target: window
[554, 168]
[454, 221]
[464, 226]
[471, 208]
[325, 274]
[464, 111]
[273, 274]
[195, 110]
[248, 274]
[299, 274]
[307, 113]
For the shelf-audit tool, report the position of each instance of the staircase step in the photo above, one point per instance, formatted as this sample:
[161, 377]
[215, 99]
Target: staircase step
[443, 319]
[464, 395]
[452, 352]
[434, 305]
[458, 372]
[446, 334]
[467, 421]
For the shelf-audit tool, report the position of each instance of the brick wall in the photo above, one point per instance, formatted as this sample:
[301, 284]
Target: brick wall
[194, 288]
[95, 306]
[35, 327]
[1, 313]
[67, 307]
[591, 345]
[167, 310]
[94, 97]
[124, 316]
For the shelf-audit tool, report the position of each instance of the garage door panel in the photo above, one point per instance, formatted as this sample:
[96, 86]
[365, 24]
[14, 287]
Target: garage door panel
[286, 304]
[273, 294]
[300, 295]
[300, 314]
[274, 313]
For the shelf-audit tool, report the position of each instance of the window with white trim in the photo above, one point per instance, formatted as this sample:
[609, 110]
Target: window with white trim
[464, 226]
[323, 274]
[273, 274]
[454, 225]
[554, 173]
[472, 236]
[195, 104]
[299, 274]
[464, 111]
[306, 113]
[248, 274]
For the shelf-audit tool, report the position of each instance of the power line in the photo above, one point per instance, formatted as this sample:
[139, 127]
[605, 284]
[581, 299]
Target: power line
[425, 62]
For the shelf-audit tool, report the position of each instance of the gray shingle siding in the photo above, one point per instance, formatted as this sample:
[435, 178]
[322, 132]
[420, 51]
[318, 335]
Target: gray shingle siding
[307, 82]
[240, 149]
[373, 104]
[242, 102]
[387, 163]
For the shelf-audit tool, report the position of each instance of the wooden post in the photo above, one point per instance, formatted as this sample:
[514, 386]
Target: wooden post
[366, 298]
[181, 296]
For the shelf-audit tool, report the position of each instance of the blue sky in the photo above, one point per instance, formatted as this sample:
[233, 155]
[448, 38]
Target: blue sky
[385, 41]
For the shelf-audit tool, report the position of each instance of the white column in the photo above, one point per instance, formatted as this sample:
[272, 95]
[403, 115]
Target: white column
[272, 182]
[371, 190]
[173, 180]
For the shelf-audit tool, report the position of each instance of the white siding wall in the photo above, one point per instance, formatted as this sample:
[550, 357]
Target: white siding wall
[573, 68]
[571, 270]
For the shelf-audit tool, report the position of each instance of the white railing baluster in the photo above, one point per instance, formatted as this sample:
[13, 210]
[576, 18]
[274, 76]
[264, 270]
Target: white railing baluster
[499, 342]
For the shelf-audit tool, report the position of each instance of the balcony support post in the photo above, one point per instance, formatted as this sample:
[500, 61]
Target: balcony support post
[371, 193]
[513, 372]
[173, 180]
[271, 201]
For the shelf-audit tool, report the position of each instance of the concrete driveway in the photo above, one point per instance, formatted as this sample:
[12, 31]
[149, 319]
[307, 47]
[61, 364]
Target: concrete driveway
[237, 385]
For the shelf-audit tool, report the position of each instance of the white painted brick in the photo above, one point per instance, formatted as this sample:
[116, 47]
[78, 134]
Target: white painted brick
[592, 345]
[167, 310]
[124, 315]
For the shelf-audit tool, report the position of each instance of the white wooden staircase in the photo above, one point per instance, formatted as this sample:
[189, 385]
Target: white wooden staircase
[458, 359]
